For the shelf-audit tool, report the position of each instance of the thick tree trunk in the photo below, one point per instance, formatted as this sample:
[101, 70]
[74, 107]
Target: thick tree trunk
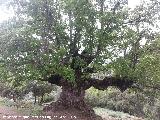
[72, 97]
[72, 101]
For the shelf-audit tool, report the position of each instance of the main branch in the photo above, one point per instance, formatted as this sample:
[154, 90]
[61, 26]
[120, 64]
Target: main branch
[121, 83]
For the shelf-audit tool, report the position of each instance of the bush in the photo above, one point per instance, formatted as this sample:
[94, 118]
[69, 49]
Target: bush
[48, 99]
[53, 96]
[137, 104]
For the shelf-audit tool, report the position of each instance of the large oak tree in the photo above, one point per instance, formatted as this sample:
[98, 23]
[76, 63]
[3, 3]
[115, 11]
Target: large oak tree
[65, 41]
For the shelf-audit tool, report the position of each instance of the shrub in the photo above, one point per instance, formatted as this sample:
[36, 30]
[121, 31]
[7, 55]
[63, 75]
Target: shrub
[48, 98]
[134, 103]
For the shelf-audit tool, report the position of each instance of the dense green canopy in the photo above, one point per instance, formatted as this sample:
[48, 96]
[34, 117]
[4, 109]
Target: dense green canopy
[44, 36]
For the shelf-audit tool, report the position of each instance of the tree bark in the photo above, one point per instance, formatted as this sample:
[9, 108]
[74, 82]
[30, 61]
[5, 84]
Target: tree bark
[72, 99]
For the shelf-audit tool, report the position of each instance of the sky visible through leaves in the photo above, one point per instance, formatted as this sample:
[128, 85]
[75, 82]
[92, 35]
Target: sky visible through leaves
[6, 13]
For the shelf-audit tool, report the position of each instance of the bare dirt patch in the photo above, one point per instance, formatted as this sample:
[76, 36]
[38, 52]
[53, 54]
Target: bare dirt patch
[6, 112]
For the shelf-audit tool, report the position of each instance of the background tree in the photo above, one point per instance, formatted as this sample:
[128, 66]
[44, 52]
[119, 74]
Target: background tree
[65, 41]
[39, 89]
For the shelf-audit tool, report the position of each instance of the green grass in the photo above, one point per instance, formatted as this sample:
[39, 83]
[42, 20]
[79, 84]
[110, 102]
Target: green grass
[6, 102]
[1, 102]
[32, 110]
[104, 113]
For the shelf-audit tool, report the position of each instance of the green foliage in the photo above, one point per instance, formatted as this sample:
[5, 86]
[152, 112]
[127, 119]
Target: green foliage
[121, 67]
[149, 68]
[149, 64]
[41, 33]
[68, 74]
[134, 103]
[49, 99]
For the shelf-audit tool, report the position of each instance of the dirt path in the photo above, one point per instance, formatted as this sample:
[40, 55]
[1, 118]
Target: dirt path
[8, 113]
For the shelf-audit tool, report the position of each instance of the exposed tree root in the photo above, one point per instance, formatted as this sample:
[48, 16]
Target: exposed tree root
[80, 111]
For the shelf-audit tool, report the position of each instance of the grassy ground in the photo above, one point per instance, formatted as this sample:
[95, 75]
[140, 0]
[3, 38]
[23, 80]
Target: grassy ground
[106, 113]
[27, 108]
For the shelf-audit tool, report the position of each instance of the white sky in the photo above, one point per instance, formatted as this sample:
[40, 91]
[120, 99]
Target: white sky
[133, 3]
[7, 13]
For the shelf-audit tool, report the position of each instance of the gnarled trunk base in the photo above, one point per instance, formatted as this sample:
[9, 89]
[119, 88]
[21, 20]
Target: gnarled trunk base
[71, 105]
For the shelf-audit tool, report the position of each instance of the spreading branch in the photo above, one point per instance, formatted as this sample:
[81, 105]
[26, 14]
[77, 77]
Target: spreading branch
[120, 83]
